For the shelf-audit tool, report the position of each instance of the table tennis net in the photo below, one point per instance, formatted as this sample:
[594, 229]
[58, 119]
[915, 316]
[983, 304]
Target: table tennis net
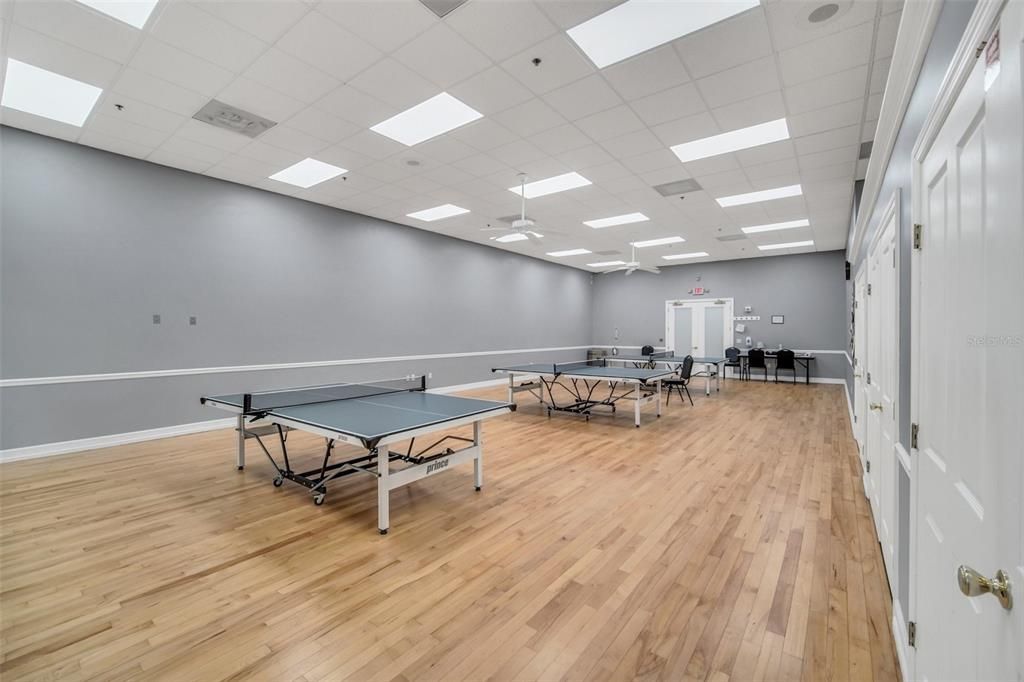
[309, 395]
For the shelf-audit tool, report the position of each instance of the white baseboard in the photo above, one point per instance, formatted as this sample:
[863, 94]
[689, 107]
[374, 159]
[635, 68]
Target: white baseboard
[849, 406]
[108, 441]
[899, 634]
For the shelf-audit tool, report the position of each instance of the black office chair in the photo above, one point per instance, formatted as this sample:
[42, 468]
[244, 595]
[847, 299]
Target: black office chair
[785, 359]
[732, 359]
[755, 360]
[681, 381]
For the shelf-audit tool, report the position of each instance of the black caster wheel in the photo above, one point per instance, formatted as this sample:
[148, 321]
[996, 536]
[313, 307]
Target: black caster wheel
[478, 488]
[383, 531]
[241, 468]
[318, 499]
[278, 481]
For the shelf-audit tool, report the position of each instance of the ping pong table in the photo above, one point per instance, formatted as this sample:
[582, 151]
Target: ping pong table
[714, 366]
[370, 416]
[581, 379]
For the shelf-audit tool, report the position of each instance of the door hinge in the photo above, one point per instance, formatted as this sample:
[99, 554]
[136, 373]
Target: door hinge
[869, 377]
[912, 634]
[869, 466]
[913, 436]
[980, 49]
[869, 290]
[917, 236]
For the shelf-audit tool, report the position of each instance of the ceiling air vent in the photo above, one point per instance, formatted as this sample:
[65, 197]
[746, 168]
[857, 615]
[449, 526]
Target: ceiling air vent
[442, 7]
[225, 116]
[671, 189]
[865, 149]
[732, 237]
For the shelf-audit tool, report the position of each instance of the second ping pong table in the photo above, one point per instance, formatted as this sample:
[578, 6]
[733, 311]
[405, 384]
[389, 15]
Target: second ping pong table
[370, 416]
[581, 380]
[714, 366]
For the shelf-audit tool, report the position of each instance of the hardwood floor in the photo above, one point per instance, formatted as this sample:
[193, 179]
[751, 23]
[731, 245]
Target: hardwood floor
[726, 541]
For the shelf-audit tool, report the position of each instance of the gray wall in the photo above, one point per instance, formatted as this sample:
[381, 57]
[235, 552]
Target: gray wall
[92, 245]
[809, 289]
[950, 27]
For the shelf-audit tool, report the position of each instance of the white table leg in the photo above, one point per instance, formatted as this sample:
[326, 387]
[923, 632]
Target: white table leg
[383, 494]
[707, 380]
[478, 462]
[511, 384]
[240, 459]
[636, 406]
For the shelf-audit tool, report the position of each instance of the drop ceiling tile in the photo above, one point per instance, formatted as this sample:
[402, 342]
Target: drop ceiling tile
[780, 210]
[480, 165]
[118, 144]
[501, 29]
[180, 68]
[252, 168]
[740, 82]
[288, 75]
[516, 153]
[257, 98]
[445, 149]
[529, 118]
[633, 144]
[826, 118]
[790, 26]
[725, 183]
[76, 24]
[610, 124]
[139, 113]
[441, 55]
[821, 92]
[222, 172]
[206, 134]
[829, 157]
[141, 87]
[730, 43]
[664, 175]
[204, 35]
[484, 134]
[46, 53]
[165, 157]
[387, 173]
[264, 19]
[560, 139]
[683, 100]
[561, 64]
[832, 139]
[686, 129]
[343, 157]
[373, 145]
[765, 153]
[491, 91]
[885, 39]
[879, 75]
[293, 140]
[275, 156]
[711, 165]
[767, 107]
[647, 73]
[652, 161]
[385, 25]
[179, 146]
[584, 157]
[392, 82]
[831, 54]
[452, 175]
[319, 42]
[321, 124]
[582, 98]
[356, 106]
[568, 13]
[780, 173]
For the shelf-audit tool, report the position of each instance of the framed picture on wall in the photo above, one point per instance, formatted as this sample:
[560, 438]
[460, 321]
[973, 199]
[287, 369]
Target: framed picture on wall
[778, 319]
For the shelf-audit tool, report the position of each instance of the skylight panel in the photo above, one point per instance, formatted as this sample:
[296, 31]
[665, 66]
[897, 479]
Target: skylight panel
[639, 25]
[680, 256]
[624, 219]
[568, 252]
[771, 227]
[734, 140]
[50, 95]
[438, 212]
[428, 119]
[763, 195]
[133, 12]
[658, 242]
[307, 173]
[787, 245]
[558, 183]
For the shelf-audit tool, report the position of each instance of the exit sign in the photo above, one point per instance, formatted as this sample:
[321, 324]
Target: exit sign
[698, 291]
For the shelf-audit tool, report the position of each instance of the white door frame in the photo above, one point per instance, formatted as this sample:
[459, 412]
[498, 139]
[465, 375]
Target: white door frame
[671, 305]
[860, 354]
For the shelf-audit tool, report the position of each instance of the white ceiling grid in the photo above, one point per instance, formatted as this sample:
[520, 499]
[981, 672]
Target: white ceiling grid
[327, 70]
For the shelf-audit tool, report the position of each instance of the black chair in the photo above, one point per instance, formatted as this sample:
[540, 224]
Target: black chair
[681, 381]
[732, 359]
[755, 360]
[785, 359]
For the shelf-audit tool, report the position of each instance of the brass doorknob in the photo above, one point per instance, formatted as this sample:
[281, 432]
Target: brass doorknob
[858, 374]
[875, 406]
[974, 584]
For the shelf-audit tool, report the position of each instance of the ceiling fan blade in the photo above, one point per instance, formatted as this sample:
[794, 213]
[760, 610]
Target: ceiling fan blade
[651, 269]
[618, 269]
[532, 234]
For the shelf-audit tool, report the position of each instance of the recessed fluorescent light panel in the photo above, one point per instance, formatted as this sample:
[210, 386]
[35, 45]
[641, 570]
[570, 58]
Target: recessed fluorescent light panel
[763, 195]
[133, 12]
[680, 256]
[307, 173]
[569, 252]
[787, 245]
[606, 264]
[732, 141]
[559, 183]
[513, 237]
[444, 211]
[428, 119]
[624, 219]
[771, 227]
[50, 95]
[658, 242]
[639, 25]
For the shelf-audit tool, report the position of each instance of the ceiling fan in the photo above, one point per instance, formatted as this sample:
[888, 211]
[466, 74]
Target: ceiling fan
[633, 265]
[520, 226]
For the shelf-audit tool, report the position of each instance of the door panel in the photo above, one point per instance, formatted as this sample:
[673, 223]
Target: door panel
[683, 341]
[714, 343]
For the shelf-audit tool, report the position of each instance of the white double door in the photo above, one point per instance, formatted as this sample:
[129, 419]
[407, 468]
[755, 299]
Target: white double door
[967, 376]
[699, 328]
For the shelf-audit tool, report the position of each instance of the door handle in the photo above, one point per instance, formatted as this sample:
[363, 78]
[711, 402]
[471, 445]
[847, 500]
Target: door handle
[858, 375]
[974, 584]
[875, 406]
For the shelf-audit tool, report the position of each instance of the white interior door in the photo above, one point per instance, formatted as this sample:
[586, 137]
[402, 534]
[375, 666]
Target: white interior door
[880, 378]
[682, 335]
[859, 358]
[699, 328]
[967, 374]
